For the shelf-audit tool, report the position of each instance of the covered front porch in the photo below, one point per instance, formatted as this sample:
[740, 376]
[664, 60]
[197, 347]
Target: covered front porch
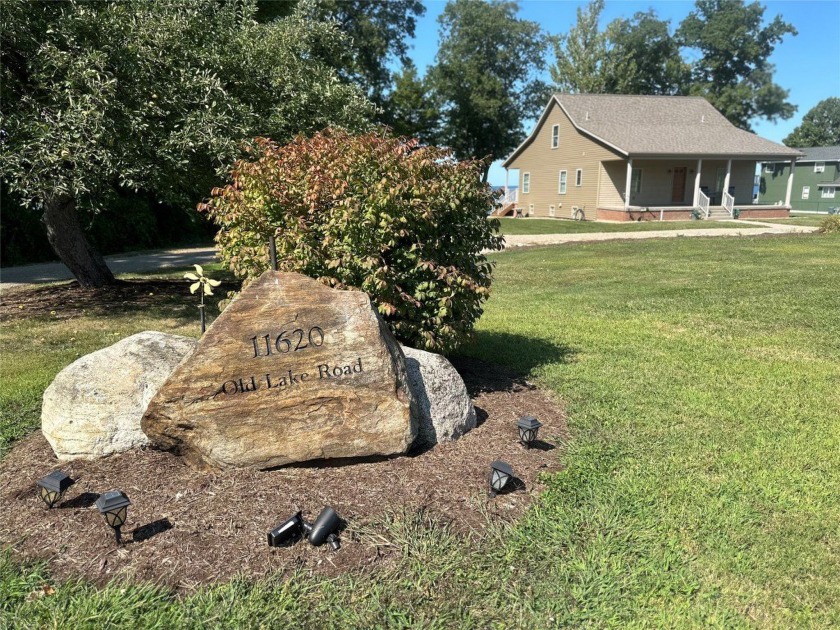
[679, 188]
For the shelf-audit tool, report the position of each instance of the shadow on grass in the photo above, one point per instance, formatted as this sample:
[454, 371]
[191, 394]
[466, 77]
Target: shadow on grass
[496, 361]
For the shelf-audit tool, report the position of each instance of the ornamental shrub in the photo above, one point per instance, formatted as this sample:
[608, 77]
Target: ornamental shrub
[830, 225]
[403, 222]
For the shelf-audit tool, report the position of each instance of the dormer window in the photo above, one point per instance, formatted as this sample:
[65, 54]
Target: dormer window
[555, 136]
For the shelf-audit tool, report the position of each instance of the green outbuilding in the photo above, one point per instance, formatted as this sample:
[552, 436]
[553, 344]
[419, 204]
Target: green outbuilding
[816, 181]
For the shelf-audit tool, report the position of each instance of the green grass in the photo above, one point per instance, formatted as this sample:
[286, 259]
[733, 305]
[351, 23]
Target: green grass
[565, 226]
[702, 379]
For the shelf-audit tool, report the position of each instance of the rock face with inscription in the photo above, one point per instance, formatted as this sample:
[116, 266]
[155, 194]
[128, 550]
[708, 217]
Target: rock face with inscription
[94, 406]
[291, 371]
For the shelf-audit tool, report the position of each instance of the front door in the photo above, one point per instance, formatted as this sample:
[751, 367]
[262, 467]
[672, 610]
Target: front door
[678, 189]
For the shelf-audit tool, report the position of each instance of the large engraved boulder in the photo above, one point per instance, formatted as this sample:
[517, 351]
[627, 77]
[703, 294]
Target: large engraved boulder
[94, 406]
[291, 371]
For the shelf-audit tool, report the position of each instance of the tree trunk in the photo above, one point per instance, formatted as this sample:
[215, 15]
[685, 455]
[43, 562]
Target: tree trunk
[69, 242]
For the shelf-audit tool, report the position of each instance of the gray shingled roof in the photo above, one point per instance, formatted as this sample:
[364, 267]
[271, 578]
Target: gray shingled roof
[639, 126]
[665, 125]
[821, 154]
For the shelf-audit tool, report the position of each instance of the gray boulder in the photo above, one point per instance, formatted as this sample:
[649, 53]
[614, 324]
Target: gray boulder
[442, 405]
[94, 405]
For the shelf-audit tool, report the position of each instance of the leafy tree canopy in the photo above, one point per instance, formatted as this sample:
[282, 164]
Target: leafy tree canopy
[152, 96]
[412, 108]
[486, 76]
[733, 71]
[820, 126]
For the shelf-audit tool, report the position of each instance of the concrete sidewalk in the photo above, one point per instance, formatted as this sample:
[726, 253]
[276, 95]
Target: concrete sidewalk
[753, 228]
[121, 263]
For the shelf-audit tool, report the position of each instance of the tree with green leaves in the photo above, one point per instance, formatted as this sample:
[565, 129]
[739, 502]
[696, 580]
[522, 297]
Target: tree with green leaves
[378, 32]
[581, 63]
[155, 97]
[630, 56]
[733, 71]
[486, 76]
[820, 126]
[412, 109]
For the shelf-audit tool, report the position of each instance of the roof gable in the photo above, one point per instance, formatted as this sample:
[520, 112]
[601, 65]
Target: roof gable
[659, 126]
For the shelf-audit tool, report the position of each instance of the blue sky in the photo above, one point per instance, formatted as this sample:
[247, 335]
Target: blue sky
[808, 64]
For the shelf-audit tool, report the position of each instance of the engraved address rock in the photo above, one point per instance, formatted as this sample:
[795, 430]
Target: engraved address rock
[291, 371]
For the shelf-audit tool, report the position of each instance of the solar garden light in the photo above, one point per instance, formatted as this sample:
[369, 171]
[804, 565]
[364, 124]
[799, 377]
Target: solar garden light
[113, 506]
[500, 474]
[53, 487]
[294, 528]
[528, 426]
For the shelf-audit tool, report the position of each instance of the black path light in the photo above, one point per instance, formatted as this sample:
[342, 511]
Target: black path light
[528, 426]
[113, 506]
[324, 529]
[53, 487]
[500, 474]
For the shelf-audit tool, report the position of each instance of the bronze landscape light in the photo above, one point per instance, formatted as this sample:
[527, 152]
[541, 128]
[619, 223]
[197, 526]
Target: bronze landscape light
[53, 486]
[500, 474]
[113, 506]
[528, 427]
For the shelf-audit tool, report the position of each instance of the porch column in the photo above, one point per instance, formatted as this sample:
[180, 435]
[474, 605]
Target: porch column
[627, 185]
[697, 184]
[726, 179]
[789, 183]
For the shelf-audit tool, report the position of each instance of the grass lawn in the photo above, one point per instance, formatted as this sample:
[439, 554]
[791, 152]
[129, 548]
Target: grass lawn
[703, 473]
[565, 226]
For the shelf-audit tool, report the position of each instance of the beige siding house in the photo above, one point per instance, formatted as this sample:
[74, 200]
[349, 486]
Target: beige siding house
[616, 157]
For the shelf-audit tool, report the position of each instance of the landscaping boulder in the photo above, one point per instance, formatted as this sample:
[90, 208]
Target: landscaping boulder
[94, 406]
[443, 406]
[291, 371]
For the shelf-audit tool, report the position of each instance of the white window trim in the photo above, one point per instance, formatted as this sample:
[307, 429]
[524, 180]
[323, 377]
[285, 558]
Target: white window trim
[526, 183]
[819, 167]
[769, 167]
[555, 136]
[562, 182]
[827, 193]
[579, 178]
[806, 192]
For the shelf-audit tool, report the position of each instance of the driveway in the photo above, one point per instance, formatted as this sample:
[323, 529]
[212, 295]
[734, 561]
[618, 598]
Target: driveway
[121, 263]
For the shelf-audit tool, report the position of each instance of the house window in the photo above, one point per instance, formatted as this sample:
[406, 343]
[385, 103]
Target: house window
[555, 136]
[636, 180]
[526, 183]
[562, 187]
[806, 192]
[551, 211]
[769, 167]
[828, 192]
[819, 167]
[579, 177]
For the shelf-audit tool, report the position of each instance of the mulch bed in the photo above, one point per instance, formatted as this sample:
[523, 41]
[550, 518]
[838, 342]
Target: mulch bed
[187, 528]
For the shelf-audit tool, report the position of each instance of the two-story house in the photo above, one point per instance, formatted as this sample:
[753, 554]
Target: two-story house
[816, 180]
[620, 157]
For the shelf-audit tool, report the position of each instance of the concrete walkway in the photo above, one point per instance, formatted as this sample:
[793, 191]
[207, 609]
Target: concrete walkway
[122, 263]
[751, 228]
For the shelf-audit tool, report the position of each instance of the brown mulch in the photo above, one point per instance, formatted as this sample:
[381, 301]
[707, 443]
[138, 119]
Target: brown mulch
[187, 528]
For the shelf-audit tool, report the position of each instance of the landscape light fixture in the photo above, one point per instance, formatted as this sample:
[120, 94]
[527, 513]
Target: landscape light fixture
[53, 487]
[113, 506]
[324, 529]
[528, 427]
[500, 474]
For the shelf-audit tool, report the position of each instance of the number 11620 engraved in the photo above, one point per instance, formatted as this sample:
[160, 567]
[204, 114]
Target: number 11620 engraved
[287, 341]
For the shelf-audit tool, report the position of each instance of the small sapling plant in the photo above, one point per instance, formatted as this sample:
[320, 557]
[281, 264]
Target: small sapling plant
[203, 285]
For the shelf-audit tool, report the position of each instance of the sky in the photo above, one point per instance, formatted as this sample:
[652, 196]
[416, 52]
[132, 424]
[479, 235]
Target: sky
[808, 64]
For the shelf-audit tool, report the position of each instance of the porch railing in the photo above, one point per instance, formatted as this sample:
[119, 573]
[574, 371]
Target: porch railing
[703, 203]
[510, 196]
[729, 203]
